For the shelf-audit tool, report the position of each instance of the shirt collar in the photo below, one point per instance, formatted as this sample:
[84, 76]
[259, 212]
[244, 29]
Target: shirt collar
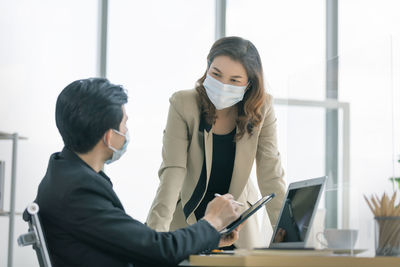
[71, 155]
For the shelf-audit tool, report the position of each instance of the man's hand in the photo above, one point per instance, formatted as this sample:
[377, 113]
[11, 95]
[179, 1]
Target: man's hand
[221, 211]
[229, 239]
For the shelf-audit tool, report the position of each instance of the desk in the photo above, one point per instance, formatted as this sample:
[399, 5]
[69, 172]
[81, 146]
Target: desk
[269, 260]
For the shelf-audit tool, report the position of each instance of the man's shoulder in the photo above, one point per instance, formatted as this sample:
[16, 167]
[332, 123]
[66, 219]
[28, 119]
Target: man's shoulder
[68, 170]
[65, 175]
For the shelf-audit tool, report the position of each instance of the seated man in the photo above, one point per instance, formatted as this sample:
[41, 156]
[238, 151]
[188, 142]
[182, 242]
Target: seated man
[84, 222]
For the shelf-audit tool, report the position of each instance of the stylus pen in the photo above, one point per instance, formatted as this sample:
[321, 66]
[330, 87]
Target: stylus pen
[239, 203]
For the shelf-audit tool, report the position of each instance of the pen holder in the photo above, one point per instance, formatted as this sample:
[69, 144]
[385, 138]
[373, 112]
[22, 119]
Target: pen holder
[387, 236]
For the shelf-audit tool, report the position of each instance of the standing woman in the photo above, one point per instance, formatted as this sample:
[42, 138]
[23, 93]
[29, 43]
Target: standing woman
[213, 135]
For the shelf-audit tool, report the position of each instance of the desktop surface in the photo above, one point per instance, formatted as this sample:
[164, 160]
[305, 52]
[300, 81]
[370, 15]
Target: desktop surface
[288, 259]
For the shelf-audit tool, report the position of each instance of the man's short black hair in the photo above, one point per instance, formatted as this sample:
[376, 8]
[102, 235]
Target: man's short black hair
[86, 109]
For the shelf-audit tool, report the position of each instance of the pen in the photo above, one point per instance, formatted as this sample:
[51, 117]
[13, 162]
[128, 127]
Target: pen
[239, 203]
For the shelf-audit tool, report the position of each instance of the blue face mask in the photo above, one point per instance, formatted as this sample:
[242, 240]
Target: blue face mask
[117, 153]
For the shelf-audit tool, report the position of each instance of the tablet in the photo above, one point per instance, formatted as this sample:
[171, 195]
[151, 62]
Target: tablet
[297, 214]
[246, 214]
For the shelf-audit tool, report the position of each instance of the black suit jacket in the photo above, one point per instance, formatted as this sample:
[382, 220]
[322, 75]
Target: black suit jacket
[85, 224]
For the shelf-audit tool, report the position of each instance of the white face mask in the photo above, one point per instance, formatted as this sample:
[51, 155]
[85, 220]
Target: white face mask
[223, 95]
[117, 153]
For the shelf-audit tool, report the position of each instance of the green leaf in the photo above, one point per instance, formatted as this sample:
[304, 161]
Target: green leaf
[395, 179]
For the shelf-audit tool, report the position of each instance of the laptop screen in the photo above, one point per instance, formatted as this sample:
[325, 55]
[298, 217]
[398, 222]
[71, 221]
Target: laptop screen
[297, 213]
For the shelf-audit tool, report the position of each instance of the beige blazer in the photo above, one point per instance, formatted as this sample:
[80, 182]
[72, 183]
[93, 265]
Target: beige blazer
[184, 150]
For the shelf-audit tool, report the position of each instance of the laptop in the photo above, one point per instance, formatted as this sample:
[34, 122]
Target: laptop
[297, 214]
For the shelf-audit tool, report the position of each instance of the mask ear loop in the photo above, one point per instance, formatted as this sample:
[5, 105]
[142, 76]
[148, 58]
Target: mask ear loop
[118, 132]
[248, 86]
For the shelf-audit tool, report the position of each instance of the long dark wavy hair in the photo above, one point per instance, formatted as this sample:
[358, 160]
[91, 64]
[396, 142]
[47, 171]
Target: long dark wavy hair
[250, 109]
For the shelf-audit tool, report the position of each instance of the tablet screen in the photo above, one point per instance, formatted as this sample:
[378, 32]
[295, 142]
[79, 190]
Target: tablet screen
[247, 213]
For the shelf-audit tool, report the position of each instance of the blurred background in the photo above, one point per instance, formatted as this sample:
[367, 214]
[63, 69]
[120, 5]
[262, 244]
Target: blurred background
[332, 66]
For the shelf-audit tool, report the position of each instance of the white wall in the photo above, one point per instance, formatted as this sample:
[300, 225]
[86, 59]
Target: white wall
[44, 46]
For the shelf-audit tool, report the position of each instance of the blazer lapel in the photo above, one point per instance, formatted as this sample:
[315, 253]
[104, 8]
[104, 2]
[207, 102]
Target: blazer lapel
[205, 132]
[246, 148]
[208, 151]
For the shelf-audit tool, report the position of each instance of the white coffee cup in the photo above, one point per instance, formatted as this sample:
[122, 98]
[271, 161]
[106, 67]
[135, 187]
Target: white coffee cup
[338, 238]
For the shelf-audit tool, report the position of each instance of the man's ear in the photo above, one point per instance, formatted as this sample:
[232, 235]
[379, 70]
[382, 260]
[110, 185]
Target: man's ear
[107, 137]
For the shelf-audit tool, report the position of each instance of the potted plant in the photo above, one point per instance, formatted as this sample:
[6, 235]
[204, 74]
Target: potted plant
[395, 180]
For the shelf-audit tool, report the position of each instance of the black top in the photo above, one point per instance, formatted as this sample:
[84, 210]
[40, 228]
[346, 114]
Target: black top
[223, 158]
[85, 224]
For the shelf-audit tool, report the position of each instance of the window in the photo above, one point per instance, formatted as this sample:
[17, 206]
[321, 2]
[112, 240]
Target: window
[290, 37]
[155, 48]
[291, 43]
[369, 80]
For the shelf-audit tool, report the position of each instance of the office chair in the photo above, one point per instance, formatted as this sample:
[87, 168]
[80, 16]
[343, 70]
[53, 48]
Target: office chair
[35, 235]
